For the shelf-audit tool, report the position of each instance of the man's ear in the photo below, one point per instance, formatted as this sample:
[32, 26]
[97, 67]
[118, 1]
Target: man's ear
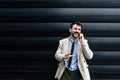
[70, 30]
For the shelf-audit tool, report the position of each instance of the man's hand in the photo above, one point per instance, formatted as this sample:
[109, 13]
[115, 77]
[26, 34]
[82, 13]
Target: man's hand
[81, 37]
[67, 56]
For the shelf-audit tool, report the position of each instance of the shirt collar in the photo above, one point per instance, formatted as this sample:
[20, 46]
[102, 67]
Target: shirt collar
[71, 39]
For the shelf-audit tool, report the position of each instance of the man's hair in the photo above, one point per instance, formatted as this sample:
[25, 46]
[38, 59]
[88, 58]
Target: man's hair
[77, 23]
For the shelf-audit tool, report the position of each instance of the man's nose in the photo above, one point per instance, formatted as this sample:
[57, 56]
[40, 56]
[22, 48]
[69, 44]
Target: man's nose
[78, 30]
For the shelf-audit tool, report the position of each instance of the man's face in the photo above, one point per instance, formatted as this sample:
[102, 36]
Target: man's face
[75, 31]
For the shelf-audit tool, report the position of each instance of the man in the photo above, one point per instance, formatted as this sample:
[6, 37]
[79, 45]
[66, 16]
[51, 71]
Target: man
[71, 53]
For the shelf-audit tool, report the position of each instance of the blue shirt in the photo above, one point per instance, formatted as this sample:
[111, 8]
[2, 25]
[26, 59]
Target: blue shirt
[74, 65]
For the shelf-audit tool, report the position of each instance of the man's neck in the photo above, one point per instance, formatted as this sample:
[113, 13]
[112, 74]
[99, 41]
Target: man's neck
[73, 37]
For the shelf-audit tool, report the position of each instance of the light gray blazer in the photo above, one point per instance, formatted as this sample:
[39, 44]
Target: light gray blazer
[83, 51]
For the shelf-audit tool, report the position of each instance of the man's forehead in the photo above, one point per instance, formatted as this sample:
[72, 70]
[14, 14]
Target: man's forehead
[76, 26]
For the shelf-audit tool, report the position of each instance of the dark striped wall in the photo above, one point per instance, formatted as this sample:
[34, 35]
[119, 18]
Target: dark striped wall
[30, 31]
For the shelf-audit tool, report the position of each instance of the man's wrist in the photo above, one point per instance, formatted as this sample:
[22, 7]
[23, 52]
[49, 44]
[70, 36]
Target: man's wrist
[84, 42]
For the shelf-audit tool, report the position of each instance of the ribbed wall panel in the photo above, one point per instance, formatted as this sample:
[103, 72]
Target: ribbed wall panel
[59, 14]
[61, 3]
[30, 31]
[58, 29]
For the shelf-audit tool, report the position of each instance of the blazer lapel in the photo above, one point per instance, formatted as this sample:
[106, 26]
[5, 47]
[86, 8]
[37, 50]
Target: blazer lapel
[65, 46]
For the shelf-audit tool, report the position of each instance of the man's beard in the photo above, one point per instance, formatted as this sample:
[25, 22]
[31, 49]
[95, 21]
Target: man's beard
[75, 35]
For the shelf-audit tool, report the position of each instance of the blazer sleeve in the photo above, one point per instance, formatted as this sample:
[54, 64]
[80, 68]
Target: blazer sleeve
[58, 55]
[86, 49]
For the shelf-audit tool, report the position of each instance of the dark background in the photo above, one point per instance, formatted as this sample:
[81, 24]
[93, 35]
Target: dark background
[30, 31]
